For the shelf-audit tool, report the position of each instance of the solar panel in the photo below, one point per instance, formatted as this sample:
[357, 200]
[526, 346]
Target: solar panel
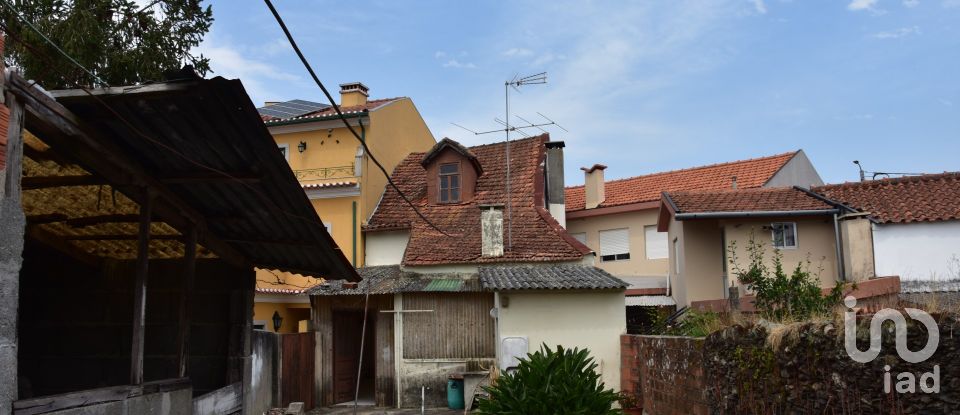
[293, 108]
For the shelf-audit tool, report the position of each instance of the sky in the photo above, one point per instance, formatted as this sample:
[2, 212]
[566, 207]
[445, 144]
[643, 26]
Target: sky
[641, 87]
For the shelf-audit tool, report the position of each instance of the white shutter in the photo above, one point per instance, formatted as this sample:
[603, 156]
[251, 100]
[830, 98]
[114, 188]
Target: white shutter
[656, 242]
[581, 236]
[614, 242]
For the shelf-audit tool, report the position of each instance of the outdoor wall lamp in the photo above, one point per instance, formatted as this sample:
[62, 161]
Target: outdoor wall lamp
[302, 146]
[277, 321]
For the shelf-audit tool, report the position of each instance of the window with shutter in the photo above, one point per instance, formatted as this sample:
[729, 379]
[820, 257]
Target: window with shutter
[656, 242]
[614, 245]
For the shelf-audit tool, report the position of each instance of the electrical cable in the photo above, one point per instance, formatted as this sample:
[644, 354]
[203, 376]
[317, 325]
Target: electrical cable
[336, 108]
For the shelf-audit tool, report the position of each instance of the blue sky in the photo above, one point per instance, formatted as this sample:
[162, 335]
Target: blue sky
[641, 86]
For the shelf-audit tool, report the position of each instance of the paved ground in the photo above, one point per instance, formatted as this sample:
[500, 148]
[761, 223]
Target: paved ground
[381, 411]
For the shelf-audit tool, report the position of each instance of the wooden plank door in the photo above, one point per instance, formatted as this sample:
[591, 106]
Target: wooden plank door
[297, 368]
[347, 328]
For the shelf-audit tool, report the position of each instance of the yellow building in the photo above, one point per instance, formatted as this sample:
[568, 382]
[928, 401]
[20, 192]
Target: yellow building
[339, 178]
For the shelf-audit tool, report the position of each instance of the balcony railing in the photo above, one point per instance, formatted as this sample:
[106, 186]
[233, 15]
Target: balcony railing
[325, 173]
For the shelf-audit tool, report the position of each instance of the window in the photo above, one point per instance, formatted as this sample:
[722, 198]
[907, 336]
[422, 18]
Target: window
[329, 228]
[656, 242]
[614, 245]
[285, 150]
[450, 183]
[581, 236]
[784, 235]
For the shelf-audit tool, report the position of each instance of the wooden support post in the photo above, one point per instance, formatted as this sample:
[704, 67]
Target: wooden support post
[140, 290]
[186, 297]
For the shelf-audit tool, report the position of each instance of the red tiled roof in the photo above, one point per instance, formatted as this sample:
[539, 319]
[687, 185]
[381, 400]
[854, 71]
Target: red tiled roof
[329, 112]
[327, 185]
[750, 173]
[745, 200]
[927, 198]
[536, 235]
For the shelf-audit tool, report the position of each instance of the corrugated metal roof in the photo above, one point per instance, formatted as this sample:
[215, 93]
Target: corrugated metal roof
[209, 128]
[650, 300]
[390, 279]
[548, 277]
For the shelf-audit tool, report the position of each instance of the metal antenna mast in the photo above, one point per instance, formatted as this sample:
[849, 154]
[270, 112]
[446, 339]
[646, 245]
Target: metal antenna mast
[516, 83]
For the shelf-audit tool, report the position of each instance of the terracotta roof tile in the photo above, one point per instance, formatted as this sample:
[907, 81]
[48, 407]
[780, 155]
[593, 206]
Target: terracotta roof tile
[750, 174]
[329, 112]
[746, 200]
[927, 198]
[536, 235]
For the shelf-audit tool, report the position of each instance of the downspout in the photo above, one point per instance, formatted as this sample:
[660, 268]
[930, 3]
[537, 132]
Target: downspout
[839, 240]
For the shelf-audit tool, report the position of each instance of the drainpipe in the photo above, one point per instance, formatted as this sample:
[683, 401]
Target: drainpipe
[840, 264]
[354, 233]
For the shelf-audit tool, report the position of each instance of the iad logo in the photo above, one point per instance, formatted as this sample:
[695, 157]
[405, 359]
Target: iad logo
[906, 382]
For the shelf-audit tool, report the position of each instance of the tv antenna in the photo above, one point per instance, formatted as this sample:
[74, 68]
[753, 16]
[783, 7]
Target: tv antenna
[875, 174]
[515, 84]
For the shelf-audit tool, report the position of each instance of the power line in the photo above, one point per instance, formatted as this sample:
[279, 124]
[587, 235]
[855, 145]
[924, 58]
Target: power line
[336, 108]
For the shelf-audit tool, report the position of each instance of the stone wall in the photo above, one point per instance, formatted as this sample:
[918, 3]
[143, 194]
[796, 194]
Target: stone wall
[802, 368]
[665, 373]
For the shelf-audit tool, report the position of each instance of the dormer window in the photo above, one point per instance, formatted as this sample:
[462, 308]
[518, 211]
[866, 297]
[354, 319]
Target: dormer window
[450, 183]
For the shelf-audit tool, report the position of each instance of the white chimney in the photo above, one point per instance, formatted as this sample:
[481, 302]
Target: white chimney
[491, 230]
[593, 185]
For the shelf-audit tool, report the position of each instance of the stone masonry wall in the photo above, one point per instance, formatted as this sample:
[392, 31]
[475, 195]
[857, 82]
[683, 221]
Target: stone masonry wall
[804, 368]
[665, 373]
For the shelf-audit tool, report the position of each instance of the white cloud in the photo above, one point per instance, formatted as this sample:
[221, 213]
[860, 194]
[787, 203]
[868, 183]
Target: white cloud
[946, 102]
[232, 62]
[453, 63]
[760, 6]
[950, 4]
[898, 33]
[858, 5]
[911, 3]
[518, 52]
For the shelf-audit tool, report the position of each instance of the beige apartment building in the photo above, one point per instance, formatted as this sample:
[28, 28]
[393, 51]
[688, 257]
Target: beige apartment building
[618, 218]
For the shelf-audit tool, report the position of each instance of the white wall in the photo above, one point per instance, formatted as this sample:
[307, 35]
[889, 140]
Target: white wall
[917, 250]
[385, 248]
[591, 319]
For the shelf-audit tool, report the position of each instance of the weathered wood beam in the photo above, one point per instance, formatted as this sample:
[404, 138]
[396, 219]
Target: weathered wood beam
[140, 291]
[12, 224]
[65, 132]
[271, 242]
[43, 182]
[100, 219]
[57, 242]
[46, 218]
[118, 237]
[186, 302]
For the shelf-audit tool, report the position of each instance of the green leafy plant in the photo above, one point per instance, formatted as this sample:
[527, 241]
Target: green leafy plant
[692, 323]
[781, 296]
[551, 381]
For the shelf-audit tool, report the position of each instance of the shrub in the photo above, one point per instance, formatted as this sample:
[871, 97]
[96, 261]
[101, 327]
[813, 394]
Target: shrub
[561, 381]
[780, 296]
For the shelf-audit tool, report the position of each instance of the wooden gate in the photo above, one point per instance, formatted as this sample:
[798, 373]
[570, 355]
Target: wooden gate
[296, 376]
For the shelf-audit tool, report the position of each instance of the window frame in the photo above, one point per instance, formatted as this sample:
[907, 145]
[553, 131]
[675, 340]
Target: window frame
[614, 257]
[773, 235]
[459, 188]
[285, 150]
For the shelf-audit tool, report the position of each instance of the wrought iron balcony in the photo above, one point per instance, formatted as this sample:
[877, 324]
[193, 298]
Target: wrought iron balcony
[337, 172]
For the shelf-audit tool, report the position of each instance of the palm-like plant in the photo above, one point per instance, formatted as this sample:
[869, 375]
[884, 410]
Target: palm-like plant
[561, 381]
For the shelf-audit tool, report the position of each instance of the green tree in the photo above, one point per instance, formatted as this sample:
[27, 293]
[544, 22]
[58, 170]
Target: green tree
[780, 296]
[121, 42]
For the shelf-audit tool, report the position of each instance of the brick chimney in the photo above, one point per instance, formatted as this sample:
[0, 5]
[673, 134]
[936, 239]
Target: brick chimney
[353, 94]
[593, 185]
